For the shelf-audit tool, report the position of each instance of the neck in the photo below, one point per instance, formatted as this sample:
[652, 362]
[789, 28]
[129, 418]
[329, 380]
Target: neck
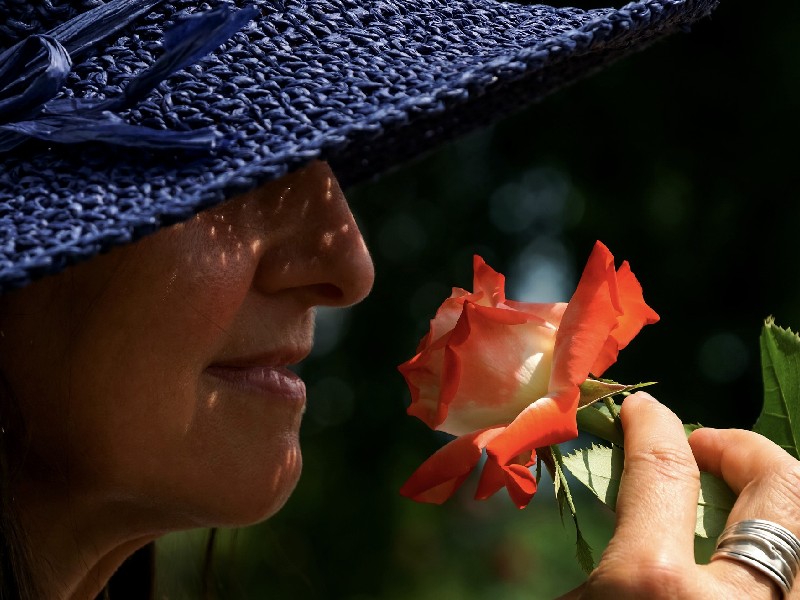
[76, 546]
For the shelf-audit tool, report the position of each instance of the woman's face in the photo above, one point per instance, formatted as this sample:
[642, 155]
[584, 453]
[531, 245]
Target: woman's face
[156, 376]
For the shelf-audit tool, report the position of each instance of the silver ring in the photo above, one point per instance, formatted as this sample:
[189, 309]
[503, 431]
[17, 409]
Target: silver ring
[764, 545]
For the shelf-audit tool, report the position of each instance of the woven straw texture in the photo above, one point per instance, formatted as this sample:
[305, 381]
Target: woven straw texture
[362, 84]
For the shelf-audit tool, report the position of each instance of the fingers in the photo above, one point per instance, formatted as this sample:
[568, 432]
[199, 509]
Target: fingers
[767, 481]
[660, 483]
[765, 477]
[737, 456]
[651, 554]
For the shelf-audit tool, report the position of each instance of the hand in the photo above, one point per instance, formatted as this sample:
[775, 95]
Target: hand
[651, 554]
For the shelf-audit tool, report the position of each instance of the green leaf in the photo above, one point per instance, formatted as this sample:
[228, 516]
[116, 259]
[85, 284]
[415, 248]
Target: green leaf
[600, 469]
[780, 365]
[583, 552]
[713, 506]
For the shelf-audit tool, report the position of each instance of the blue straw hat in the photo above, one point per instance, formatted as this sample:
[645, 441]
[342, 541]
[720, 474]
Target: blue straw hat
[119, 118]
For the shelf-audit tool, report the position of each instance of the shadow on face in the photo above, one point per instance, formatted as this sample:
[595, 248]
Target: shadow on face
[155, 377]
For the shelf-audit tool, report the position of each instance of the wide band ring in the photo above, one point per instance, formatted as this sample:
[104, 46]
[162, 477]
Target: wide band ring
[765, 546]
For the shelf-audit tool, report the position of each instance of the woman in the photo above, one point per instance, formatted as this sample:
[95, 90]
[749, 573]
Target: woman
[148, 388]
[202, 320]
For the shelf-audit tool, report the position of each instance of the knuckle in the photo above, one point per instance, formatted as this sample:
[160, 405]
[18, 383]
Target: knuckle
[666, 461]
[791, 481]
[785, 486]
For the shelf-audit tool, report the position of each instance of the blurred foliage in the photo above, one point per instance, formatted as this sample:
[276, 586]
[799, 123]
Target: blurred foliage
[682, 159]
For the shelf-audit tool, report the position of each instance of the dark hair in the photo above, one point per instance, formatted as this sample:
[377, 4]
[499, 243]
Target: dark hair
[135, 579]
[16, 581]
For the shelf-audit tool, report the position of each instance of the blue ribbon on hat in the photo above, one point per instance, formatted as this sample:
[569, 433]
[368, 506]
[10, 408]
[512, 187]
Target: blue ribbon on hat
[33, 71]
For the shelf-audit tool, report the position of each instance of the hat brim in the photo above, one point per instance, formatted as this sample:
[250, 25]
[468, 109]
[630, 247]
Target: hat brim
[365, 85]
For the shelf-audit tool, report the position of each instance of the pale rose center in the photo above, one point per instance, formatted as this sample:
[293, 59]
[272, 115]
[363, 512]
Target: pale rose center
[502, 391]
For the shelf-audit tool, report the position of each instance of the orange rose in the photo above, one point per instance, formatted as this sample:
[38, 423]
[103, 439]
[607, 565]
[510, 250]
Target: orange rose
[504, 376]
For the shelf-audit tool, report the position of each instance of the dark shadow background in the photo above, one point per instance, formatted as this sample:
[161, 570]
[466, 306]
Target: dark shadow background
[683, 160]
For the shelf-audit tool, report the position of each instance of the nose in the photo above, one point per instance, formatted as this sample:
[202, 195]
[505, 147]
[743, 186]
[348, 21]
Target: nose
[314, 248]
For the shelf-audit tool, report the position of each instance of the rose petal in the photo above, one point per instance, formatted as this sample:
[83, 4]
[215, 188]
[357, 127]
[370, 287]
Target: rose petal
[493, 478]
[441, 475]
[496, 359]
[587, 322]
[517, 478]
[635, 315]
[488, 282]
[550, 312]
[520, 483]
[484, 360]
[423, 375]
[545, 422]
[446, 318]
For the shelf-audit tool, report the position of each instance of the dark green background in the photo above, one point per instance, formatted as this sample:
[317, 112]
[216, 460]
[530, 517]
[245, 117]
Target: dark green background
[683, 160]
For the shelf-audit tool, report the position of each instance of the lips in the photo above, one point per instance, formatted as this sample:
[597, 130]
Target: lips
[264, 376]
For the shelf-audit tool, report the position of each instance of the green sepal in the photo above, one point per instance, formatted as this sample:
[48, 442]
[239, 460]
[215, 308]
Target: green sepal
[598, 421]
[593, 390]
[690, 427]
[780, 365]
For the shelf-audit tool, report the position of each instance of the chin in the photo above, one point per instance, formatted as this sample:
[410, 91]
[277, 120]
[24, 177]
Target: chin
[281, 489]
[259, 497]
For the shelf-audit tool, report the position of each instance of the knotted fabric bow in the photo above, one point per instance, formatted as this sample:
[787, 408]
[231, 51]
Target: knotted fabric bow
[33, 71]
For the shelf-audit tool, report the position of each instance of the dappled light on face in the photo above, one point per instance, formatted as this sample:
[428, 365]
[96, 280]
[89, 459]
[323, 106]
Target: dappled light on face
[282, 483]
[212, 399]
[296, 233]
[208, 403]
[170, 283]
[281, 203]
[288, 468]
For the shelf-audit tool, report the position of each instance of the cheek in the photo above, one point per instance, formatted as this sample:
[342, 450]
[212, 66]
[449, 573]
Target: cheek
[158, 432]
[142, 424]
[112, 387]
